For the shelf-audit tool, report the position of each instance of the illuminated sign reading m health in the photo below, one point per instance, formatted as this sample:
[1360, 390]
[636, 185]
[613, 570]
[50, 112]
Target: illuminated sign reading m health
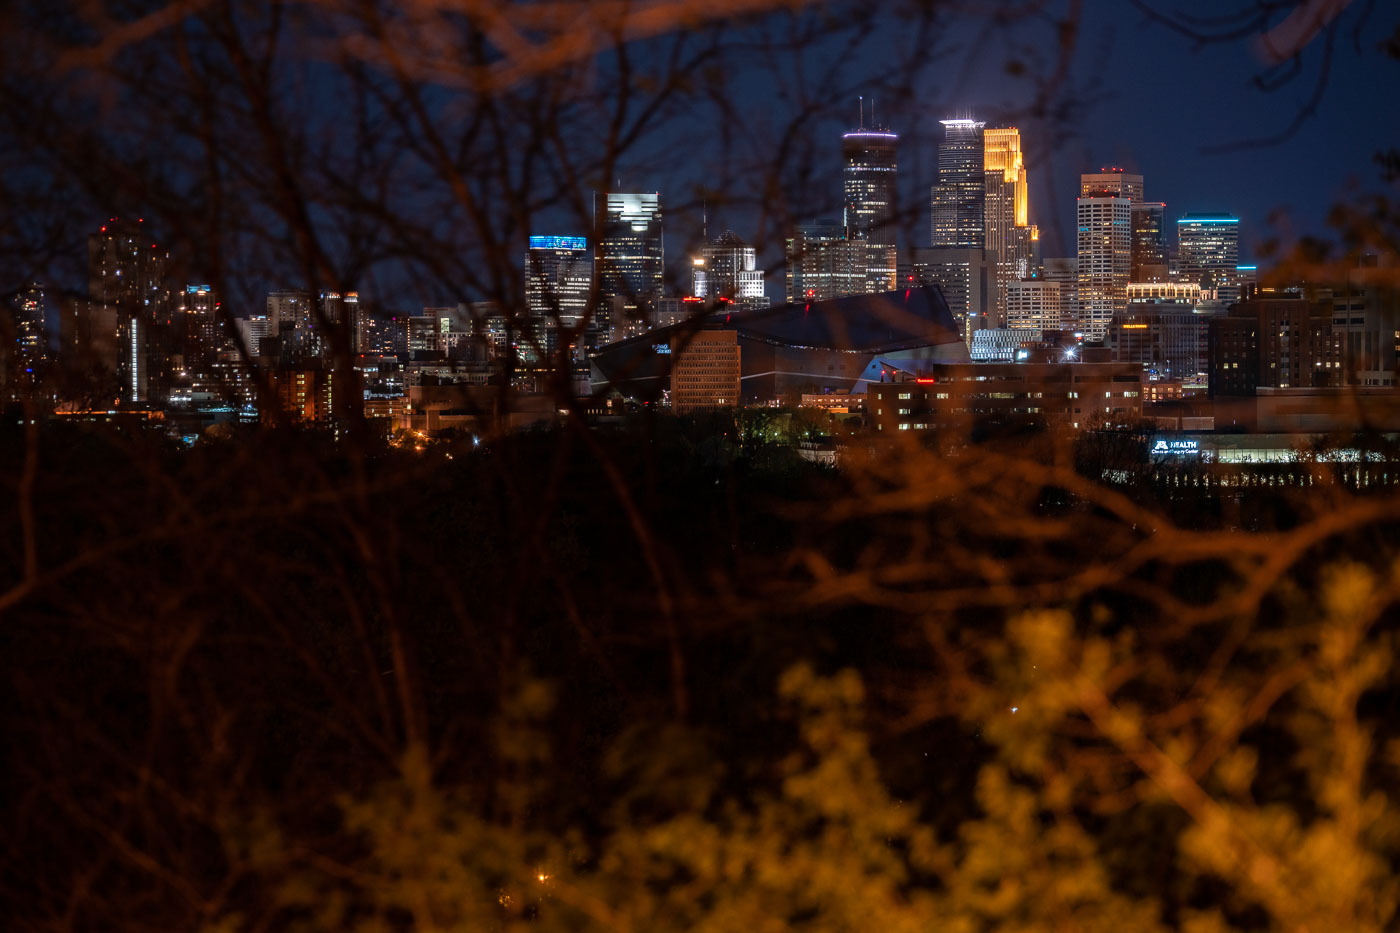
[558, 242]
[1164, 446]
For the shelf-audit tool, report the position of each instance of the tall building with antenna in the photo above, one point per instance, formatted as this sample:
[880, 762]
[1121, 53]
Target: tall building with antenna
[870, 198]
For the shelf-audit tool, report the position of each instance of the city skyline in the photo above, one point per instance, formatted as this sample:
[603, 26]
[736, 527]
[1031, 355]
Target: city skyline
[700, 465]
[676, 272]
[981, 195]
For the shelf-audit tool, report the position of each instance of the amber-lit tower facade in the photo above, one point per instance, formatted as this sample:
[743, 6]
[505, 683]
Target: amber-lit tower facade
[1006, 213]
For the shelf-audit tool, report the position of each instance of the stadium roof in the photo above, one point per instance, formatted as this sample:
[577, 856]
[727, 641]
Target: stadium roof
[878, 323]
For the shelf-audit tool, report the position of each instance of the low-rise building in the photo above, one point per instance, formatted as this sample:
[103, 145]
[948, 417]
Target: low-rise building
[837, 403]
[959, 396]
[704, 370]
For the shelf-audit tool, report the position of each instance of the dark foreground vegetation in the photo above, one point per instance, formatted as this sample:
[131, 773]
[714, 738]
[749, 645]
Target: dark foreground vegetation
[675, 677]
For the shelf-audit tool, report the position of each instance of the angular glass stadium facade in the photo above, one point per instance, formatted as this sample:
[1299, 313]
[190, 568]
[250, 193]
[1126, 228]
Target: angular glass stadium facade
[803, 348]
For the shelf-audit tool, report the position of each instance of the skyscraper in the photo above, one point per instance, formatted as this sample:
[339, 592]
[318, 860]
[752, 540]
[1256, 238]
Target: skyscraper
[126, 282]
[1209, 252]
[31, 330]
[967, 278]
[1033, 304]
[1149, 262]
[955, 216]
[558, 280]
[1006, 210]
[197, 328]
[728, 268]
[631, 258]
[302, 324]
[251, 331]
[27, 350]
[1064, 270]
[822, 263]
[870, 198]
[1162, 333]
[1110, 179]
[287, 311]
[381, 334]
[337, 310]
[1365, 319]
[1245, 278]
[1105, 249]
[1004, 188]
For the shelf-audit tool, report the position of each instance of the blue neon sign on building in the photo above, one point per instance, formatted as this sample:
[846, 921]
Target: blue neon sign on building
[558, 242]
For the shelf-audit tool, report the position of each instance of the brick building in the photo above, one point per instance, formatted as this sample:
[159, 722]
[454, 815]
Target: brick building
[705, 371]
[1275, 339]
[1069, 393]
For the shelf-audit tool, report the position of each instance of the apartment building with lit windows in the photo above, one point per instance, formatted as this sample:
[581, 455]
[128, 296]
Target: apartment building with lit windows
[1278, 340]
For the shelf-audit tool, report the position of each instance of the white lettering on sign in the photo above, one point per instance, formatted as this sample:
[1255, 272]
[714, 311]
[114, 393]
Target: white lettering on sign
[1164, 446]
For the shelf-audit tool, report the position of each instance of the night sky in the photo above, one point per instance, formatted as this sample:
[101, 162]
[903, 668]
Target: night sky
[1137, 94]
[1183, 114]
[1170, 108]
[1188, 116]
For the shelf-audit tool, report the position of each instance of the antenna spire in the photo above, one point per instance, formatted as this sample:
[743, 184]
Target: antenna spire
[861, 98]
